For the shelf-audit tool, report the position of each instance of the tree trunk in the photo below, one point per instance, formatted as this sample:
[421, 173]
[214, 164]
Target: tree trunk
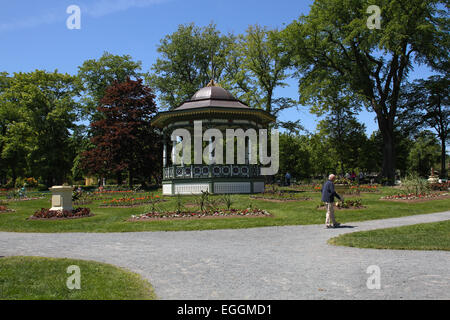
[119, 178]
[387, 132]
[443, 158]
[130, 179]
[14, 176]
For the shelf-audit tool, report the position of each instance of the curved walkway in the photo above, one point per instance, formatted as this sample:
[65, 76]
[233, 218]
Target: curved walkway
[290, 262]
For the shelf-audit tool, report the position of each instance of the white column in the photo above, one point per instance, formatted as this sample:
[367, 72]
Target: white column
[210, 150]
[249, 152]
[165, 154]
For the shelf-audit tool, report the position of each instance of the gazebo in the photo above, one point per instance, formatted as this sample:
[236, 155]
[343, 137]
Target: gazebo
[216, 108]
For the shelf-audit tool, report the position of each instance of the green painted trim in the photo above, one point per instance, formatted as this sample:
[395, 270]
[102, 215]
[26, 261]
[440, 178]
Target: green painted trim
[162, 118]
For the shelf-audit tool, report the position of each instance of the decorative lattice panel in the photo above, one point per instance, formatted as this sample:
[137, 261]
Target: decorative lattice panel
[258, 187]
[232, 187]
[191, 188]
[167, 189]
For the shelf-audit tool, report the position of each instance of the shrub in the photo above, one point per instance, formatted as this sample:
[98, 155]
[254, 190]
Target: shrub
[228, 200]
[415, 184]
[202, 200]
[31, 182]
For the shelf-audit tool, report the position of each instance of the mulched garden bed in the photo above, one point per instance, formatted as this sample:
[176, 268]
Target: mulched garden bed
[129, 205]
[280, 199]
[232, 213]
[4, 209]
[412, 198]
[25, 199]
[47, 214]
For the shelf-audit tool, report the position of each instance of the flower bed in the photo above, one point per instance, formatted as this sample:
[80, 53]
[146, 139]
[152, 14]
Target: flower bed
[4, 209]
[46, 214]
[276, 194]
[131, 202]
[113, 191]
[285, 197]
[356, 190]
[25, 199]
[221, 213]
[443, 186]
[416, 197]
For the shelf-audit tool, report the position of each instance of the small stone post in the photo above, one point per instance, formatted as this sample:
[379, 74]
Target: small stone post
[61, 198]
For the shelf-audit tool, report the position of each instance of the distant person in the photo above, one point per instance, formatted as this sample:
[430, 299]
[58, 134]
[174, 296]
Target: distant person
[347, 175]
[288, 178]
[353, 176]
[328, 194]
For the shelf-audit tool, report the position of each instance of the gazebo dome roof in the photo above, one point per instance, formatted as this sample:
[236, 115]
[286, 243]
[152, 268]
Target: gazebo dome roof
[212, 96]
[212, 101]
[212, 92]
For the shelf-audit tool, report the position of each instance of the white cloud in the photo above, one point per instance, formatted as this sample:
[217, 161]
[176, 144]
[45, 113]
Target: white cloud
[104, 7]
[95, 9]
[32, 22]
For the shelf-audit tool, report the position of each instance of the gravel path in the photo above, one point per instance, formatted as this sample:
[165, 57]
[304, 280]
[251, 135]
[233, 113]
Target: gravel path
[291, 262]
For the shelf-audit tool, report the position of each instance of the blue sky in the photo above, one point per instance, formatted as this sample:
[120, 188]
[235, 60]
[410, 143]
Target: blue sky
[33, 34]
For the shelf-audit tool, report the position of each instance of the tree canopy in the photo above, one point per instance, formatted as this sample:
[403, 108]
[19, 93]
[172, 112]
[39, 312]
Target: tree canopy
[335, 53]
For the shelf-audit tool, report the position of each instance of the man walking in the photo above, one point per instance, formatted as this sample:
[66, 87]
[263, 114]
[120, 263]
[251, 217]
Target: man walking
[328, 195]
[287, 177]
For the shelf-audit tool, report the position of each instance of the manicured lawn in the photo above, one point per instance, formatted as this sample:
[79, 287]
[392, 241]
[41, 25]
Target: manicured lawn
[288, 213]
[30, 278]
[427, 236]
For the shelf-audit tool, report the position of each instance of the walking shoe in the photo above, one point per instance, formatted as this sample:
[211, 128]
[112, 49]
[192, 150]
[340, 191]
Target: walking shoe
[337, 224]
[329, 227]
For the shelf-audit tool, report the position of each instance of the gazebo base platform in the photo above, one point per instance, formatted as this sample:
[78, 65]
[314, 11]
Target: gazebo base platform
[217, 186]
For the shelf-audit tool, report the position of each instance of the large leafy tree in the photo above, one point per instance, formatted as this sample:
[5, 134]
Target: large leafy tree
[295, 156]
[424, 153]
[189, 58]
[97, 75]
[4, 83]
[257, 66]
[427, 106]
[38, 111]
[346, 137]
[334, 52]
[123, 140]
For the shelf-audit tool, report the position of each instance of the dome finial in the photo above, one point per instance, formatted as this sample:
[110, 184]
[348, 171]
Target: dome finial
[212, 83]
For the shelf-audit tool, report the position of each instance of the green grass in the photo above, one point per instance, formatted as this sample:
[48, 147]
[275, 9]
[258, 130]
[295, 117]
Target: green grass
[427, 236]
[32, 278]
[289, 213]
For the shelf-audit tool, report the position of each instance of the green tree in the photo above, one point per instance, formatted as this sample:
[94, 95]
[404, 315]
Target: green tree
[294, 155]
[4, 83]
[427, 106]
[189, 58]
[424, 153]
[260, 66]
[334, 51]
[322, 155]
[40, 109]
[346, 137]
[97, 75]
